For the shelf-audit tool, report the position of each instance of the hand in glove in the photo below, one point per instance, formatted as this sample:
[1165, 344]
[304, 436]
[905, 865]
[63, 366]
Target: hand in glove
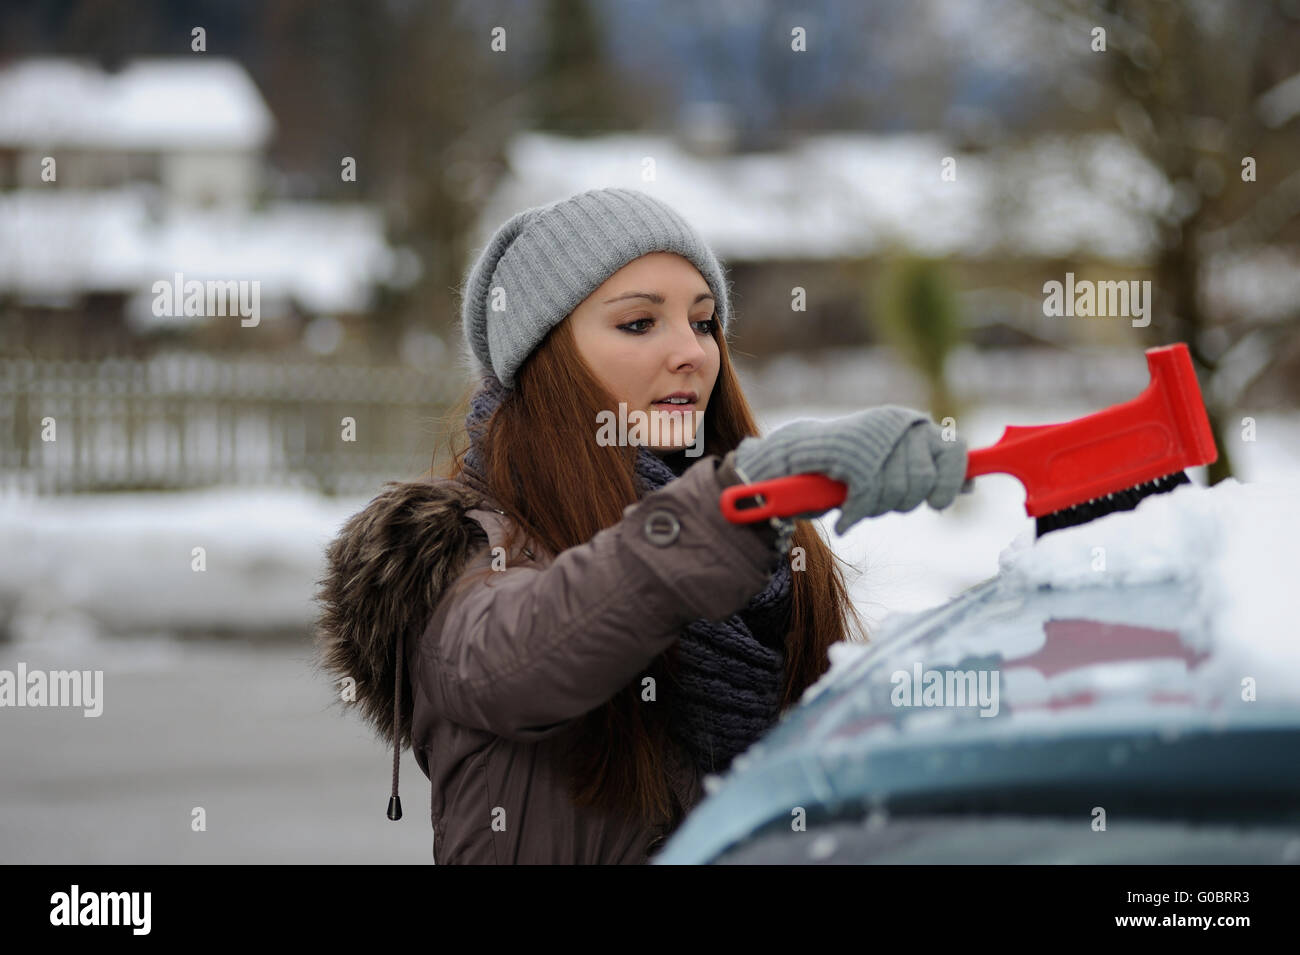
[891, 458]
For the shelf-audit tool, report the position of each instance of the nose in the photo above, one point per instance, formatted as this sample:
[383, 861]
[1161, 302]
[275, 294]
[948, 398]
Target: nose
[684, 346]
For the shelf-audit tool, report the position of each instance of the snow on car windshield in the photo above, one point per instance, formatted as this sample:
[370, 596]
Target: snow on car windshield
[1177, 606]
[1237, 545]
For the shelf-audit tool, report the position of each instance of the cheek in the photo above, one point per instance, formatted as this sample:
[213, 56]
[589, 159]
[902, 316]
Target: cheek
[715, 366]
[627, 371]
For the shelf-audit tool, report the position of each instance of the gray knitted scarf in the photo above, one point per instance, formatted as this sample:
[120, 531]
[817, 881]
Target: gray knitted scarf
[730, 673]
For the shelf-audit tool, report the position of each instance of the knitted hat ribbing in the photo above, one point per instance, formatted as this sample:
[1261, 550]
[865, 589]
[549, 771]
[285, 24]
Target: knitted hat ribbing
[543, 262]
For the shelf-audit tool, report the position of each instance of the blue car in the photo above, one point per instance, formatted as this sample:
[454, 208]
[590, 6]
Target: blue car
[1114, 695]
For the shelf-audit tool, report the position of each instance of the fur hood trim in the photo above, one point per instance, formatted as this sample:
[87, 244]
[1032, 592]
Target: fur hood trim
[385, 572]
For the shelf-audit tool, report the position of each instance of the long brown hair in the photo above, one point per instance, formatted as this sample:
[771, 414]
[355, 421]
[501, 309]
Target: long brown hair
[559, 487]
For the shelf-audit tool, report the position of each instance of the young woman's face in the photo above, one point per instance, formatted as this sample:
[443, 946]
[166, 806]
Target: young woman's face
[646, 334]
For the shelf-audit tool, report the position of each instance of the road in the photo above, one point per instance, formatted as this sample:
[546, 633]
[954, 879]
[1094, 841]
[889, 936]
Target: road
[248, 732]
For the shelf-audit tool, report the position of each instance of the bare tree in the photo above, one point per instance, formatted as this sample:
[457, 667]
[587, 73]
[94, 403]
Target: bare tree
[1210, 93]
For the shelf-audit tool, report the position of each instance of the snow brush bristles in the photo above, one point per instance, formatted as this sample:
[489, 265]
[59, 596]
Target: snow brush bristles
[1073, 472]
[1124, 500]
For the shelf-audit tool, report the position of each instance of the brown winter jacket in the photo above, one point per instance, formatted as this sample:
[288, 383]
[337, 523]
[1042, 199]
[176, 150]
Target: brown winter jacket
[502, 663]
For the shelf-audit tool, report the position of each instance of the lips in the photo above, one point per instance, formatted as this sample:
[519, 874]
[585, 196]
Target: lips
[669, 408]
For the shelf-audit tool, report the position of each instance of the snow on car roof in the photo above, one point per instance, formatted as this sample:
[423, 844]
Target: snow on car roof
[1237, 544]
[1169, 615]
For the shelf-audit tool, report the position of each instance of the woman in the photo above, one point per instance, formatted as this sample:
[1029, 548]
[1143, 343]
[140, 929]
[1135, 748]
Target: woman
[586, 635]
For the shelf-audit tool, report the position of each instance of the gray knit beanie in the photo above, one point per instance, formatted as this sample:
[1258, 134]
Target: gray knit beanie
[540, 265]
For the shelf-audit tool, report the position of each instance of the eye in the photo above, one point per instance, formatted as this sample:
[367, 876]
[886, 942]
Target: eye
[709, 323]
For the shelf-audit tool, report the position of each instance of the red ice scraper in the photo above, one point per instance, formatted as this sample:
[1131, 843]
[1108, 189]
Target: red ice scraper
[1073, 472]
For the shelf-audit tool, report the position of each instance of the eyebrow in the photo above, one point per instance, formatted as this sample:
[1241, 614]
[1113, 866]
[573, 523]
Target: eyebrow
[653, 296]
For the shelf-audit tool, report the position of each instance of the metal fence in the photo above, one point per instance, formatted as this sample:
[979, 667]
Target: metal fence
[190, 420]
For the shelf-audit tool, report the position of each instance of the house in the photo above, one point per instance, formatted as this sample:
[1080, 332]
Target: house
[197, 126]
[157, 177]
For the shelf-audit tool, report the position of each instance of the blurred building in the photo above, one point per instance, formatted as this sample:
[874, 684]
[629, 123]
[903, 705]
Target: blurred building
[196, 127]
[110, 183]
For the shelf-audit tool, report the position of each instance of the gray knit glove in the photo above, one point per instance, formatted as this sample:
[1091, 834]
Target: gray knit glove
[891, 458]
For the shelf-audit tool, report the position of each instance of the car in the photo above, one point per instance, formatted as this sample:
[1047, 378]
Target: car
[1124, 691]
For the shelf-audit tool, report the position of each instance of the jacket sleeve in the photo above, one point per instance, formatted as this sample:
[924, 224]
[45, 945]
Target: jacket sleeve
[523, 651]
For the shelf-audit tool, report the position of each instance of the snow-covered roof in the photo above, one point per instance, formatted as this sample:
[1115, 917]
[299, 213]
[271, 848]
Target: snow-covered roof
[62, 242]
[858, 194]
[157, 104]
